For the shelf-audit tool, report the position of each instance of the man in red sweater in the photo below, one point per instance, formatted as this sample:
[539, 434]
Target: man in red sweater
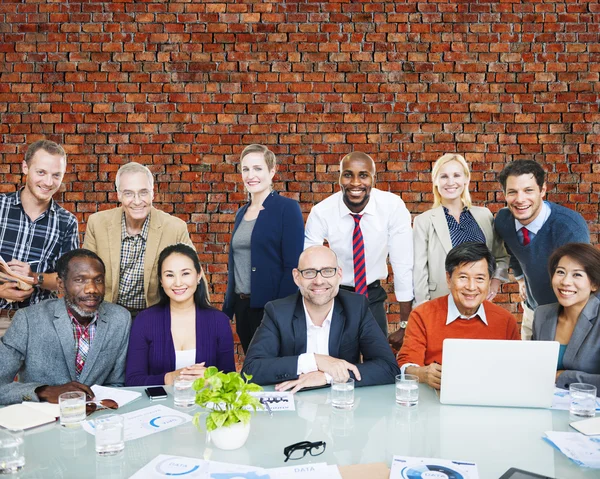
[464, 313]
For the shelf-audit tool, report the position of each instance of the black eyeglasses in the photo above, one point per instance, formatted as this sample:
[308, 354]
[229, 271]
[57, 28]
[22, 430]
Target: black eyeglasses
[312, 273]
[299, 450]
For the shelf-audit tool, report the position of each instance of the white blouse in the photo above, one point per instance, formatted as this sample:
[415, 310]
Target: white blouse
[185, 358]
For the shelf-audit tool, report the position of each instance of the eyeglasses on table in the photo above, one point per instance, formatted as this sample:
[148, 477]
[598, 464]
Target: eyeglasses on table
[300, 449]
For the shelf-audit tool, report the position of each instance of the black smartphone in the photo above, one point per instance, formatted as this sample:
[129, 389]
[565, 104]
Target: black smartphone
[156, 392]
[514, 473]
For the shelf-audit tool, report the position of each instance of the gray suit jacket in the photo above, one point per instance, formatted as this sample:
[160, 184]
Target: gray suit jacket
[273, 353]
[431, 239]
[39, 345]
[582, 356]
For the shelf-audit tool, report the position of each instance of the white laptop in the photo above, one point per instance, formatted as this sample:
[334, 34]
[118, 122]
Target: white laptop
[489, 372]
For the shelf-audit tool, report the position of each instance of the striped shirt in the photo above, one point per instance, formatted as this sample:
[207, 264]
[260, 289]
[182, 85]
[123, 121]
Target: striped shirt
[466, 230]
[83, 335]
[131, 283]
[39, 243]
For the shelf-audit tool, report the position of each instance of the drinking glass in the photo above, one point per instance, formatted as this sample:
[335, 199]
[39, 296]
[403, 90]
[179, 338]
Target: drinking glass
[407, 390]
[342, 394]
[183, 393]
[110, 434]
[72, 408]
[12, 451]
[583, 400]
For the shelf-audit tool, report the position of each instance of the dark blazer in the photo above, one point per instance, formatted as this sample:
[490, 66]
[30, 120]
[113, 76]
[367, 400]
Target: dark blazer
[582, 356]
[273, 353]
[151, 353]
[276, 243]
[40, 346]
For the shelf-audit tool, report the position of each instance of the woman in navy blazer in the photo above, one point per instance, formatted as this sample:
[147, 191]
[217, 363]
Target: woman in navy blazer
[267, 239]
[183, 334]
[575, 320]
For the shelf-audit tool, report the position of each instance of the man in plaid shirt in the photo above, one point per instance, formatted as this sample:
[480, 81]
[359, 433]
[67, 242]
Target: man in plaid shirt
[34, 230]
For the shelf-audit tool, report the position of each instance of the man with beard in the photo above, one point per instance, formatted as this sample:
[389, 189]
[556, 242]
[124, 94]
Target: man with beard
[66, 344]
[363, 225]
[319, 333]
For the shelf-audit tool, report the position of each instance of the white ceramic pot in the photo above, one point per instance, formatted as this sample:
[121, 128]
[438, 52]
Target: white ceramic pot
[230, 437]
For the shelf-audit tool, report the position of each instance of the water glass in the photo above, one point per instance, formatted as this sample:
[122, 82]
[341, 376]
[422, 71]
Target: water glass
[583, 400]
[72, 408]
[183, 393]
[342, 394]
[407, 390]
[12, 451]
[110, 434]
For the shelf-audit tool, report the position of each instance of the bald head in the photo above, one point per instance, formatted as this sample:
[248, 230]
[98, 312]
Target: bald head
[319, 254]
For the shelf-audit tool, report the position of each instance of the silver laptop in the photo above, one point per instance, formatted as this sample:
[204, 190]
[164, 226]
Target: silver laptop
[488, 372]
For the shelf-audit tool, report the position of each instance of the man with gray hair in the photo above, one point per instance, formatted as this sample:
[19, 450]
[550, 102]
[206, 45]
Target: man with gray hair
[130, 238]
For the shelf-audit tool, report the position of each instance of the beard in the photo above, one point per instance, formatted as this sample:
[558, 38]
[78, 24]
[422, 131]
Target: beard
[80, 312]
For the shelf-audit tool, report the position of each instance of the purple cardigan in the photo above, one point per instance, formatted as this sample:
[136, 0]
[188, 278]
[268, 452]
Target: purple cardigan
[151, 353]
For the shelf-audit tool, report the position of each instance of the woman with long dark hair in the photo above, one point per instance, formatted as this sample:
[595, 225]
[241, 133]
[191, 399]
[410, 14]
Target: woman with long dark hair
[183, 334]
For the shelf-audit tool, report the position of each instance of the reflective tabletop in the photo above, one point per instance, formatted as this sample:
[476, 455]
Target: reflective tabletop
[375, 430]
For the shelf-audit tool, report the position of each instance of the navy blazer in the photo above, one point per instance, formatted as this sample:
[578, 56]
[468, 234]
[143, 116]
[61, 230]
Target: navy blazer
[273, 353]
[275, 246]
[582, 356]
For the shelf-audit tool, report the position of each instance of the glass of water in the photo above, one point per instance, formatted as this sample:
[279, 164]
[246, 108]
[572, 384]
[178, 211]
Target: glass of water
[12, 451]
[407, 390]
[110, 434]
[72, 408]
[583, 400]
[342, 394]
[183, 393]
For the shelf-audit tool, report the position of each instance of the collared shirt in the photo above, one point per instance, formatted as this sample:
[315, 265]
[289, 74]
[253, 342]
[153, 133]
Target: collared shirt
[317, 342]
[466, 230]
[454, 313]
[82, 333]
[385, 227]
[131, 283]
[39, 242]
[536, 225]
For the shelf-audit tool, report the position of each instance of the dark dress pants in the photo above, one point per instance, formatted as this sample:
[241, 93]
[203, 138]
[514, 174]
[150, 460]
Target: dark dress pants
[247, 319]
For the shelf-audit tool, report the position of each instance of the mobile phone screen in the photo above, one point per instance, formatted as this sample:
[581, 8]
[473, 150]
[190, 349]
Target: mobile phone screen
[156, 392]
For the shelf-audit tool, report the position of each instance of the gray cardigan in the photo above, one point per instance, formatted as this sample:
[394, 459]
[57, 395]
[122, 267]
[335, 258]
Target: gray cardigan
[39, 345]
[582, 356]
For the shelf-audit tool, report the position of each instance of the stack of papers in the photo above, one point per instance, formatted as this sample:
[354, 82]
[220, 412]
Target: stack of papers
[583, 450]
[28, 414]
[121, 396]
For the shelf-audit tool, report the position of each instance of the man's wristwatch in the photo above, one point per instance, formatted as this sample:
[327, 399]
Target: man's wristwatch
[403, 324]
[40, 278]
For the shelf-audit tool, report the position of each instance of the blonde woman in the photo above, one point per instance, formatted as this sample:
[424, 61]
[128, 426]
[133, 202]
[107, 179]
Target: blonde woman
[451, 221]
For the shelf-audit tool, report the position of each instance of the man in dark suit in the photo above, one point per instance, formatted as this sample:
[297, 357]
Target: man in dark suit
[320, 333]
[66, 344]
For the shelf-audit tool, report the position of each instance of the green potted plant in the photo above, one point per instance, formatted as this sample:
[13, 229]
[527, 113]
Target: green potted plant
[228, 397]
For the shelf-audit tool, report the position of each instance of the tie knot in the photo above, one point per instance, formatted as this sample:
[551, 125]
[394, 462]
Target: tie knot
[357, 218]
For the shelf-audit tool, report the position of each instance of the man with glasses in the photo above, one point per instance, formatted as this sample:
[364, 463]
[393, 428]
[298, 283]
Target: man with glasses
[319, 333]
[130, 238]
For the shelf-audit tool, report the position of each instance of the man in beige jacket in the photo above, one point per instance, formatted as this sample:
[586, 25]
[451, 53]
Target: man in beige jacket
[130, 238]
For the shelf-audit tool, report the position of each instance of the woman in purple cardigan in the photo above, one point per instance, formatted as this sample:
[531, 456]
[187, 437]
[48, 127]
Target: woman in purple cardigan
[183, 334]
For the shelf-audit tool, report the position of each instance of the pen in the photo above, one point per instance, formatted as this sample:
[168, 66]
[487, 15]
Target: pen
[266, 405]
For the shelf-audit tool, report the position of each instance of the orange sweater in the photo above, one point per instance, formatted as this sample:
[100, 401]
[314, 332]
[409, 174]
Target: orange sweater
[427, 330]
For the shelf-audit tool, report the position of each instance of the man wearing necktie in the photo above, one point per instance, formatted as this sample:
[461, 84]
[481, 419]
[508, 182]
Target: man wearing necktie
[532, 229]
[365, 226]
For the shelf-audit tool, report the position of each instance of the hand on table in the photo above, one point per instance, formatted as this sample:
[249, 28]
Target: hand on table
[316, 378]
[431, 375]
[190, 373]
[336, 368]
[50, 393]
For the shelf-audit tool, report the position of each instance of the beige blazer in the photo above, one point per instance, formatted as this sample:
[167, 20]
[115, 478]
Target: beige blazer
[103, 236]
[432, 243]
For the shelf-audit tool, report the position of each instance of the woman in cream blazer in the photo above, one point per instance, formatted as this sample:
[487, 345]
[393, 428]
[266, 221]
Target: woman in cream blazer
[432, 236]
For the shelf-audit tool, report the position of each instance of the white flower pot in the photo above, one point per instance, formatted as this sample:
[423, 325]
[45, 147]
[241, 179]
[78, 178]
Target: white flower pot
[230, 437]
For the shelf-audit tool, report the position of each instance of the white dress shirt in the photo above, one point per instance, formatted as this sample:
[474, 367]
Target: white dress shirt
[317, 342]
[534, 227]
[454, 313]
[385, 227]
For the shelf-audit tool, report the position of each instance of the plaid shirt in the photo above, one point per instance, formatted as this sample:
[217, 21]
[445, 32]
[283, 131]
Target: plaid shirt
[82, 335]
[133, 250]
[39, 243]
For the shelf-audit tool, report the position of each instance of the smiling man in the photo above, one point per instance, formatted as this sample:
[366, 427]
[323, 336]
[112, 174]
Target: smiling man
[319, 333]
[532, 229]
[130, 238]
[67, 344]
[464, 313]
[364, 225]
[34, 230]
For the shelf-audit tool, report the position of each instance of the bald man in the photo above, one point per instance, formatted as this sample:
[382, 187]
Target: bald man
[365, 226]
[319, 333]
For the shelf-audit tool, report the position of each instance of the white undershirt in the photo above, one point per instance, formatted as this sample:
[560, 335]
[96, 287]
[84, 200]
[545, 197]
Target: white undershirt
[185, 358]
[317, 342]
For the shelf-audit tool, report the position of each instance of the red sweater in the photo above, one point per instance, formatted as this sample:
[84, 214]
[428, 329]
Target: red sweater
[427, 330]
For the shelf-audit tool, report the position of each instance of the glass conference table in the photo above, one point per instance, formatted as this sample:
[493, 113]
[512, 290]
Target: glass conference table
[373, 431]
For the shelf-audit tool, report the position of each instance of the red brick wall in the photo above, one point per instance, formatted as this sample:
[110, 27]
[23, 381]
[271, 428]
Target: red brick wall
[183, 86]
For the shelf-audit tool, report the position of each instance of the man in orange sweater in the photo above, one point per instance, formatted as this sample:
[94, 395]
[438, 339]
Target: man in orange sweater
[464, 313]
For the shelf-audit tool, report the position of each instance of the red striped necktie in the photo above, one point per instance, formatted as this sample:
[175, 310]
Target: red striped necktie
[526, 238]
[358, 253]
